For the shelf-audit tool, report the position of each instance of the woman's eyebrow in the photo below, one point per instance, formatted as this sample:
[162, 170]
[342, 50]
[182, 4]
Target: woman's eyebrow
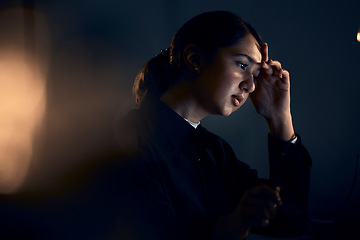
[247, 56]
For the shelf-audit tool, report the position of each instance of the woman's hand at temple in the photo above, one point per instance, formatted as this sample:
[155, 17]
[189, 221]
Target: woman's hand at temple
[271, 97]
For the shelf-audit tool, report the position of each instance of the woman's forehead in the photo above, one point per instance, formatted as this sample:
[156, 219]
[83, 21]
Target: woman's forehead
[248, 47]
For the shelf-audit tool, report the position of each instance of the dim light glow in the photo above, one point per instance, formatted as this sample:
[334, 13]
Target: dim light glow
[22, 107]
[23, 70]
[358, 37]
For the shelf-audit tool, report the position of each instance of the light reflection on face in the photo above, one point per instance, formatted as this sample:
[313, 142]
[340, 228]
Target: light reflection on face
[226, 81]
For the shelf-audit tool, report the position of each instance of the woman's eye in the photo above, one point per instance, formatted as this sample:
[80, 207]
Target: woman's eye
[242, 65]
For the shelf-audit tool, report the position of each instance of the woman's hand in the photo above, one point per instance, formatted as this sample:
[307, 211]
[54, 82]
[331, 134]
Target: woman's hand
[256, 208]
[271, 97]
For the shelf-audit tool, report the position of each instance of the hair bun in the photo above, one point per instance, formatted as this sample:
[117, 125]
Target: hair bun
[164, 53]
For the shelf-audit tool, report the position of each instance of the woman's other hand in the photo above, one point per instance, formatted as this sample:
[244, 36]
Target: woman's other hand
[256, 208]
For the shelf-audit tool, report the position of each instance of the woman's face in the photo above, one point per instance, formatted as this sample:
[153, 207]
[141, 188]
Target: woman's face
[225, 82]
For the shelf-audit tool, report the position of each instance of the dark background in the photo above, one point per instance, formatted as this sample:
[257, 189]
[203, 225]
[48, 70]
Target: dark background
[97, 47]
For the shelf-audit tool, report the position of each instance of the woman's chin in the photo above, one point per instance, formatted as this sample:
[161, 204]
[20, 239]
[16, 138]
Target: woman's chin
[227, 112]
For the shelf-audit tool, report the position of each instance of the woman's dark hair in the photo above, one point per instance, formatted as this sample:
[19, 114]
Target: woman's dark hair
[208, 31]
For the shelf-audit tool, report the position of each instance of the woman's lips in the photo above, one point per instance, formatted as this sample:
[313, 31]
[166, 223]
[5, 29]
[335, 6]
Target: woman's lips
[236, 99]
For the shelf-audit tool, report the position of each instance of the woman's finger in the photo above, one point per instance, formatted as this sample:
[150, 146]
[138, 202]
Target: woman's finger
[272, 208]
[265, 218]
[265, 222]
[285, 79]
[285, 75]
[266, 69]
[277, 194]
[277, 72]
[274, 63]
[265, 52]
[276, 67]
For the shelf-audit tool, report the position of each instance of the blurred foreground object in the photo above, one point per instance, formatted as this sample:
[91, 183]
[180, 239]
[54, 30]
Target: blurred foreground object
[24, 46]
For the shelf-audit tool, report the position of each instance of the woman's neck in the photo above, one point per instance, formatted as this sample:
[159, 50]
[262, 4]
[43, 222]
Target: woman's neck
[182, 101]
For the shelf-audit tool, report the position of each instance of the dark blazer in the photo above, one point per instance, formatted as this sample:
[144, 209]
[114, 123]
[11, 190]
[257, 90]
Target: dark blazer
[180, 180]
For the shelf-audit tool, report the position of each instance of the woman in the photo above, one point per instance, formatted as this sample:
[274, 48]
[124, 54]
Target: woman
[181, 180]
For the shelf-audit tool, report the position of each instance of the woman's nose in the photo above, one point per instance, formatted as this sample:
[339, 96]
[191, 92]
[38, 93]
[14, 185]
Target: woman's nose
[248, 84]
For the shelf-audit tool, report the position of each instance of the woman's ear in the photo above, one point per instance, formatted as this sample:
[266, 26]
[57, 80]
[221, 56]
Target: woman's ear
[192, 57]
